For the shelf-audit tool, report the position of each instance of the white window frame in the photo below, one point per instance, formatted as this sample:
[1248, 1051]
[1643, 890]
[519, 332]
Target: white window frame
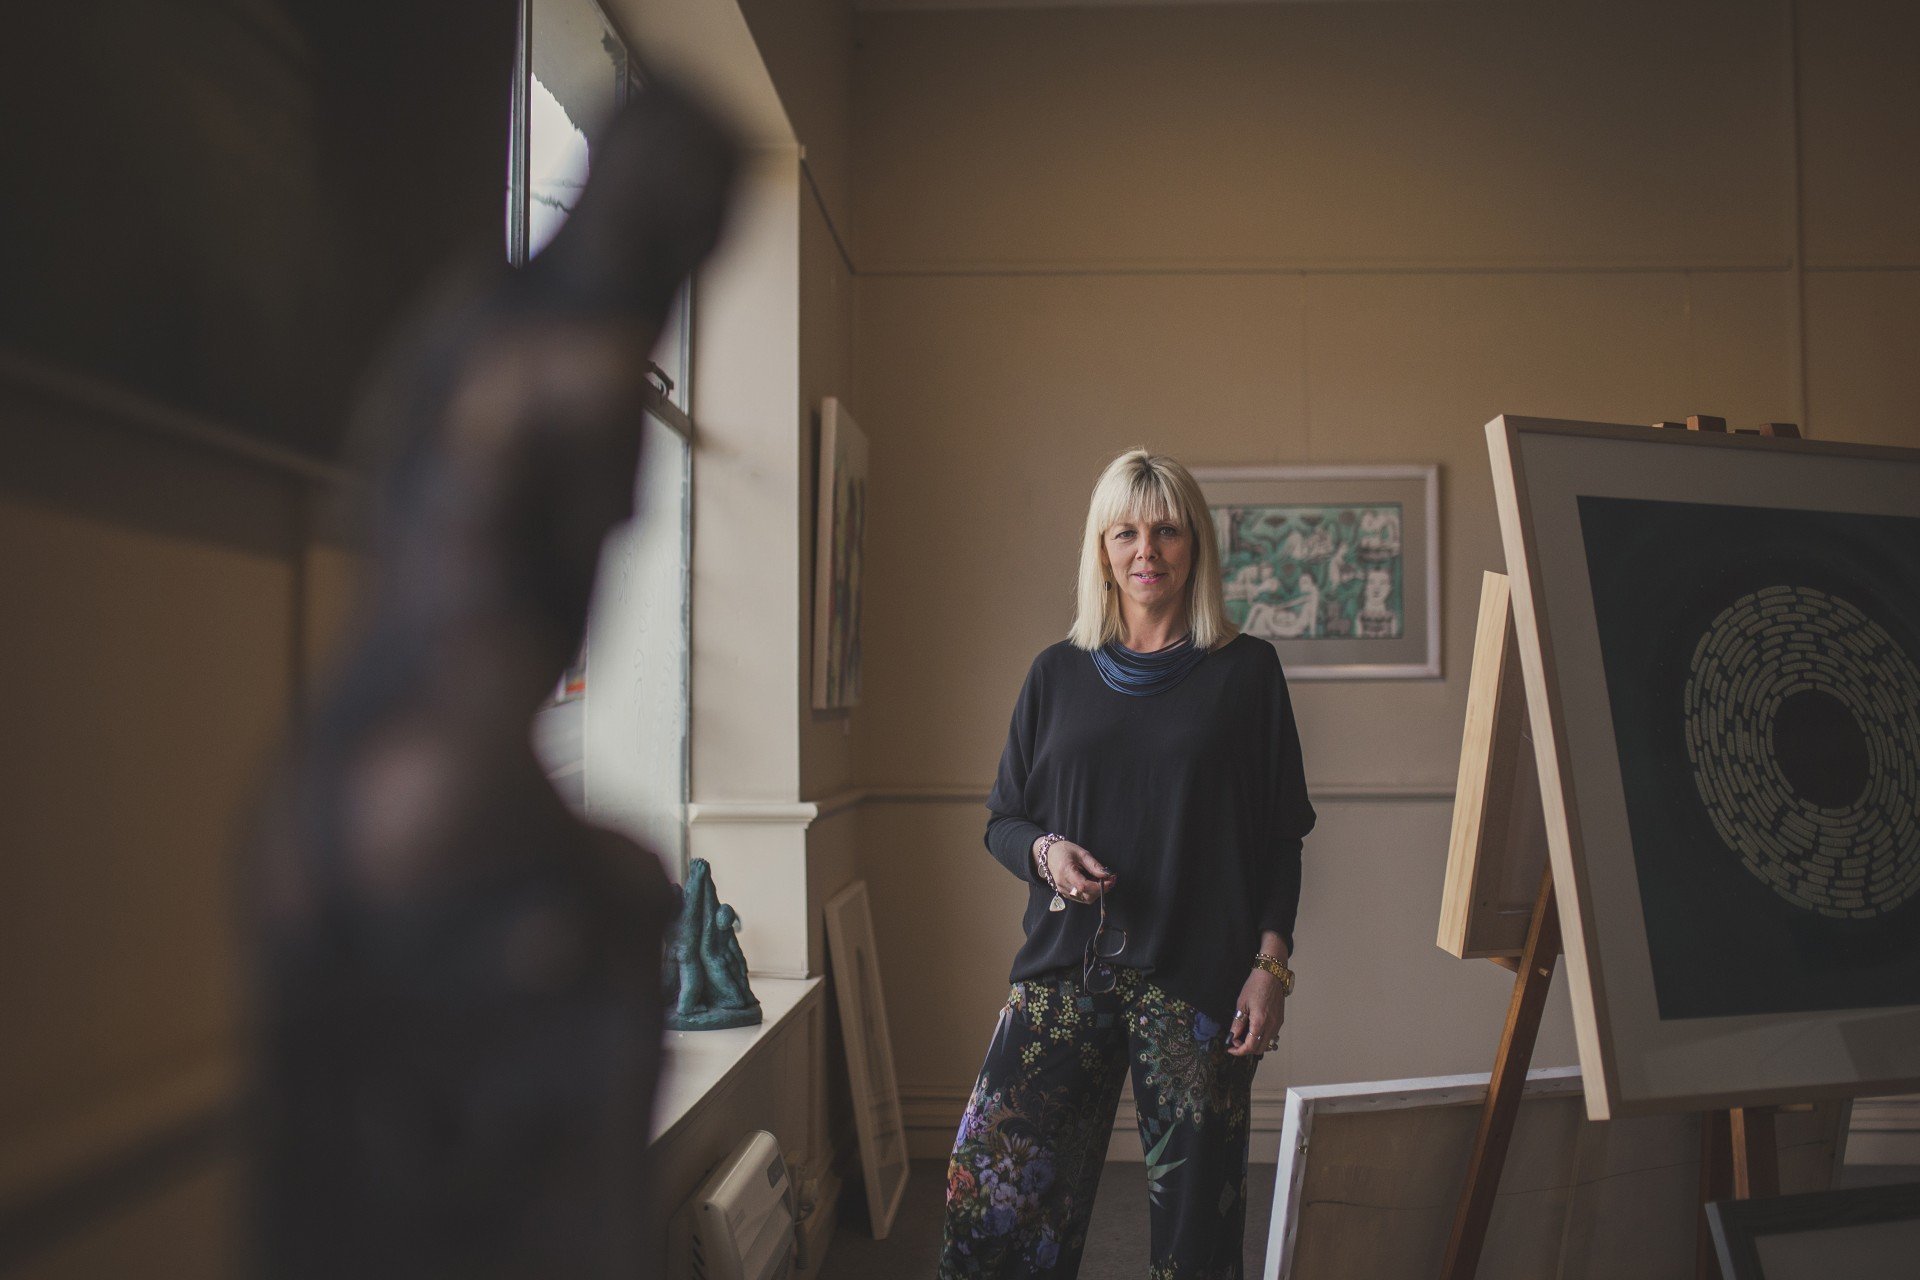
[668, 404]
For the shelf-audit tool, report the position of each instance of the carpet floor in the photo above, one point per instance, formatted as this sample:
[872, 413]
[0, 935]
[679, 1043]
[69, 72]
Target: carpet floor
[1116, 1243]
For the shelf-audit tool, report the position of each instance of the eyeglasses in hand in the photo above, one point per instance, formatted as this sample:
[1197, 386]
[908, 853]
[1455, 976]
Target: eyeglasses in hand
[1097, 975]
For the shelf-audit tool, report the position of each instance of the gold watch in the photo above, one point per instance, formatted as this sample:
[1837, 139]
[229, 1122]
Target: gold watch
[1276, 967]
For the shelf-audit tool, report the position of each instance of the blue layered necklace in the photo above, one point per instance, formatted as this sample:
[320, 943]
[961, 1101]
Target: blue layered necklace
[1145, 674]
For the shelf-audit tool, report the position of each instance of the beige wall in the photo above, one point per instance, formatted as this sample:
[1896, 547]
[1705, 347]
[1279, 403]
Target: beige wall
[162, 601]
[1309, 234]
[1394, 134]
[807, 48]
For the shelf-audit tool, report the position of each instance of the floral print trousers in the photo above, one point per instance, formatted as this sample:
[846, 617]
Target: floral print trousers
[1029, 1153]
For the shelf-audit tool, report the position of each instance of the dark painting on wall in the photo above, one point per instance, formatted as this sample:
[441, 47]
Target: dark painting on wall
[1762, 669]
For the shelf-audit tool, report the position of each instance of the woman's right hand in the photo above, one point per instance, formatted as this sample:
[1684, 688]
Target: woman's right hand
[1076, 873]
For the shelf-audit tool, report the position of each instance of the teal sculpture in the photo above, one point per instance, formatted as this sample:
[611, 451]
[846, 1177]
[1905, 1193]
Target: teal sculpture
[706, 973]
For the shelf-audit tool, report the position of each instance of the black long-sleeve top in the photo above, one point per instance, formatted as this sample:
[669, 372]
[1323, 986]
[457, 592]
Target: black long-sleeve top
[1194, 797]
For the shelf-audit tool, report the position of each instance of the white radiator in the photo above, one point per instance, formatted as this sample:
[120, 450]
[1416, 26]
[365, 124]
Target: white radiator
[739, 1224]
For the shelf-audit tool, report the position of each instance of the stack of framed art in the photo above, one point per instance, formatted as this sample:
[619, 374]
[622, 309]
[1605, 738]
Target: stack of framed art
[1719, 643]
[1366, 1171]
[1867, 1233]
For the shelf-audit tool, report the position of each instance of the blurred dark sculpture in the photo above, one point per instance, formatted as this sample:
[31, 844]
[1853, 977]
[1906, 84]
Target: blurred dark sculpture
[458, 1009]
[706, 978]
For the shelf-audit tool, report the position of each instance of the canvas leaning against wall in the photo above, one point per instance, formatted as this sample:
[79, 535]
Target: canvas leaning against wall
[1497, 848]
[840, 520]
[1337, 567]
[1720, 638]
[1370, 1173]
[869, 1046]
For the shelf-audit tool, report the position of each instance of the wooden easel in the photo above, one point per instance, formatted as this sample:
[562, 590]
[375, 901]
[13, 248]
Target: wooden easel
[1739, 1155]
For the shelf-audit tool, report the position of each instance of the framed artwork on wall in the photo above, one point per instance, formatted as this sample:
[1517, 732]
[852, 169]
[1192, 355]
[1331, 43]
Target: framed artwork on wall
[1337, 567]
[840, 521]
[1720, 641]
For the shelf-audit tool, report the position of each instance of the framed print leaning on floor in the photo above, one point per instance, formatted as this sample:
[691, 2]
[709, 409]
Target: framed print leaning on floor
[869, 1046]
[1862, 1233]
[1720, 641]
[1337, 567]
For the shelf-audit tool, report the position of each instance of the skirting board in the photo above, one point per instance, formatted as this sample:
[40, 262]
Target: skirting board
[932, 1118]
[1883, 1130]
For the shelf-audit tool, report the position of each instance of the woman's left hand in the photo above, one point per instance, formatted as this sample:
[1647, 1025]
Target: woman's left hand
[1264, 1001]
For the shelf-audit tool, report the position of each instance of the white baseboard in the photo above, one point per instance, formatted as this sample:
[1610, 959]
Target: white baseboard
[932, 1118]
[1885, 1131]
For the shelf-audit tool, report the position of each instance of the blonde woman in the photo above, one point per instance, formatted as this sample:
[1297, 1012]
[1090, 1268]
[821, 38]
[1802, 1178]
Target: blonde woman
[1151, 796]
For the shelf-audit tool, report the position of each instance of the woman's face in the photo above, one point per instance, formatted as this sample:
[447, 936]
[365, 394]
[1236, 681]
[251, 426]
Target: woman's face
[1150, 560]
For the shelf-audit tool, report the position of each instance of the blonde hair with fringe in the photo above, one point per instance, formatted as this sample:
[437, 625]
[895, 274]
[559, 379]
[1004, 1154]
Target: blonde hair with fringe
[1139, 485]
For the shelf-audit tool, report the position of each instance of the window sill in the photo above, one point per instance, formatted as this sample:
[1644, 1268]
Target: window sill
[695, 1064]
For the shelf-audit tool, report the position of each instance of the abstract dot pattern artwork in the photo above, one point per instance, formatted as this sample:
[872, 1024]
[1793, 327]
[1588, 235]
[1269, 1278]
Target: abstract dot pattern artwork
[1803, 729]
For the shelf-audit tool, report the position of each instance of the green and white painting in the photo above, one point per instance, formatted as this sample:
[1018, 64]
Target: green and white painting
[1337, 567]
[1311, 572]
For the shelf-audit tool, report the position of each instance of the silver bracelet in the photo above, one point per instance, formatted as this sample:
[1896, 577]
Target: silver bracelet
[1046, 873]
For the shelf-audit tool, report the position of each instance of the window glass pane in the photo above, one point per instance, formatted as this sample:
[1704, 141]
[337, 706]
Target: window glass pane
[556, 740]
[578, 78]
[672, 353]
[634, 733]
[613, 734]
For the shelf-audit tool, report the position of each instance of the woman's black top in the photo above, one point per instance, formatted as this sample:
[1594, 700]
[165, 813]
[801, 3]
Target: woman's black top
[1194, 797]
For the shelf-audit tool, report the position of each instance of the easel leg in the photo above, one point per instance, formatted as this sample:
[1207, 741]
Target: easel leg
[1739, 1160]
[1716, 1183]
[1756, 1153]
[1502, 1107]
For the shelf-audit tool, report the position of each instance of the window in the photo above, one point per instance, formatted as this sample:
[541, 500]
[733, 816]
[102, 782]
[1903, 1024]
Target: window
[614, 735]
[570, 75]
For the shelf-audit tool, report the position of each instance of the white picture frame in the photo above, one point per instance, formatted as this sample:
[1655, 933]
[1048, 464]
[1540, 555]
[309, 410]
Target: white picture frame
[1370, 1176]
[869, 1046]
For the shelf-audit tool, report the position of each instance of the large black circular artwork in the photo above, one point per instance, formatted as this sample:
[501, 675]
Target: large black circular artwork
[1801, 732]
[1763, 671]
